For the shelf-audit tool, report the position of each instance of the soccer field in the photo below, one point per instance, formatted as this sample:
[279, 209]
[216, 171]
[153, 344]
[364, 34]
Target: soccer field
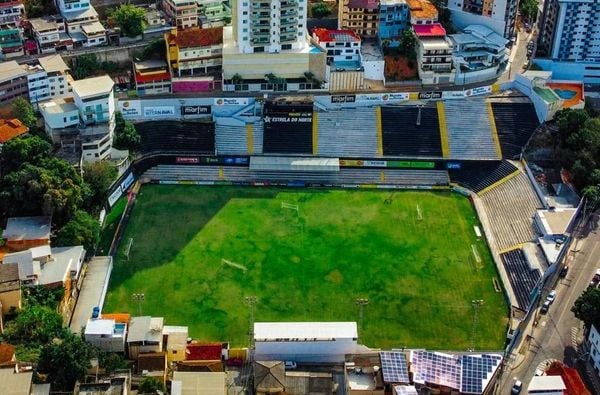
[308, 255]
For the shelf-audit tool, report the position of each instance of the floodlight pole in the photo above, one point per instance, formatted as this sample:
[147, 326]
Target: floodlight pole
[476, 304]
[251, 301]
[139, 298]
[361, 303]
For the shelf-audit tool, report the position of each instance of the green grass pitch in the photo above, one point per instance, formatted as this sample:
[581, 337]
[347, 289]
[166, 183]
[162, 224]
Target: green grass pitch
[197, 252]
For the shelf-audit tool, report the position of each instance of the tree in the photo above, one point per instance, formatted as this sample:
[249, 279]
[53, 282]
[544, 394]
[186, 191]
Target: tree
[444, 15]
[34, 326]
[408, 41]
[111, 361]
[53, 187]
[23, 111]
[65, 361]
[23, 149]
[320, 10]
[155, 50]
[83, 66]
[587, 307]
[126, 136]
[150, 385]
[529, 9]
[130, 19]
[82, 229]
[99, 176]
[37, 8]
[41, 296]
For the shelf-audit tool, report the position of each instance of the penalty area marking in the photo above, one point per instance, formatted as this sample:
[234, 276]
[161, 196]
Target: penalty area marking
[235, 265]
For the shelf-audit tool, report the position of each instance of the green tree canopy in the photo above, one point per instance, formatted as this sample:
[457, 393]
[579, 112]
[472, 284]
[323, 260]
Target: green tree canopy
[65, 361]
[149, 385]
[587, 307]
[130, 19]
[126, 136]
[99, 176]
[23, 111]
[408, 41]
[53, 187]
[82, 229]
[34, 326]
[42, 296]
[529, 9]
[320, 10]
[83, 66]
[23, 149]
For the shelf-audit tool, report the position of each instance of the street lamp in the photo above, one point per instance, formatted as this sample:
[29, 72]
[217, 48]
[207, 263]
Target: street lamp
[139, 298]
[476, 306]
[251, 301]
[361, 303]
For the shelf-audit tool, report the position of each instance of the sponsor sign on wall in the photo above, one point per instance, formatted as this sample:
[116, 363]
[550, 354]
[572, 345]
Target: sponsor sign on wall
[186, 160]
[121, 189]
[114, 196]
[159, 111]
[453, 94]
[130, 108]
[231, 101]
[292, 117]
[430, 95]
[195, 110]
[343, 99]
[362, 163]
[482, 90]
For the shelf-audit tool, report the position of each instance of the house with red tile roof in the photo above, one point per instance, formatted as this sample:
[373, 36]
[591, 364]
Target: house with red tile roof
[11, 128]
[194, 57]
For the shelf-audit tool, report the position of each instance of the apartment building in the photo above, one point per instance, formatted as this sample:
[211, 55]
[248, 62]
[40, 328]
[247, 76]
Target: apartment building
[434, 54]
[11, 11]
[361, 16]
[13, 81]
[393, 20]
[498, 15]
[11, 41]
[181, 13]
[50, 34]
[47, 77]
[194, 51]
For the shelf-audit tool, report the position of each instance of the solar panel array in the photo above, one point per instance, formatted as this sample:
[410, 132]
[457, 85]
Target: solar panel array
[468, 373]
[394, 367]
[438, 368]
[477, 371]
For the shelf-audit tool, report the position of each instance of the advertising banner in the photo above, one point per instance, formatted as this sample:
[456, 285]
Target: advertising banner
[410, 164]
[338, 99]
[482, 90]
[231, 101]
[292, 117]
[195, 110]
[159, 111]
[187, 160]
[362, 163]
[127, 182]
[130, 108]
[453, 94]
[430, 95]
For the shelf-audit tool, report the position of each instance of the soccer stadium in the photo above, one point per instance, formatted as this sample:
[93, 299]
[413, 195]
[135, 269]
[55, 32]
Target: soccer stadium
[417, 219]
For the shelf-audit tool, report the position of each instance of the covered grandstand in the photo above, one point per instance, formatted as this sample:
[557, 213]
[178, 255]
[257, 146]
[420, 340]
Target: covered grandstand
[176, 136]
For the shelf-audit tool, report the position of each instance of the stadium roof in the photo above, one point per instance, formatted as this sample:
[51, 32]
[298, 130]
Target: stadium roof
[302, 331]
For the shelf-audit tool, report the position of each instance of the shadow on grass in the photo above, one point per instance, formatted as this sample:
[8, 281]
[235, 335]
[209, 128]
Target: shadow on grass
[166, 218]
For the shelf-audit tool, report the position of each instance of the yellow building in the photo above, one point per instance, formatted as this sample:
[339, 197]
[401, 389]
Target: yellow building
[175, 342]
[194, 51]
[10, 289]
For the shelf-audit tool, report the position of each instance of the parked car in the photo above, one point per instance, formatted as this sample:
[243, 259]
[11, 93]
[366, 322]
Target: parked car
[545, 307]
[516, 388]
[551, 296]
[564, 271]
[290, 365]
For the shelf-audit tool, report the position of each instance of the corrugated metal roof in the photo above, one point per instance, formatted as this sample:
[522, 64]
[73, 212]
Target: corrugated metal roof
[546, 383]
[200, 383]
[15, 383]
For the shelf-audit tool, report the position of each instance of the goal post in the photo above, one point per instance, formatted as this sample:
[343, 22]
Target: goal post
[288, 206]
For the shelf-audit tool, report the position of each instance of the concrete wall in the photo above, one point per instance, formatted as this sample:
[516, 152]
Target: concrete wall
[317, 351]
[9, 300]
[121, 55]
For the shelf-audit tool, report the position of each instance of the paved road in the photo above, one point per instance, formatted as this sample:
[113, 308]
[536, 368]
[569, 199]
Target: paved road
[558, 333]
[518, 57]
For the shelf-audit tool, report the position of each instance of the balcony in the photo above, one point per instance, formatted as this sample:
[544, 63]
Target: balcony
[258, 33]
[286, 5]
[289, 13]
[288, 22]
[260, 5]
[260, 40]
[260, 17]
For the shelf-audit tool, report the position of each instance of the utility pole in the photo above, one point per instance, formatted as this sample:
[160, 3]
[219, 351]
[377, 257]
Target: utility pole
[476, 306]
[251, 301]
[361, 303]
[139, 298]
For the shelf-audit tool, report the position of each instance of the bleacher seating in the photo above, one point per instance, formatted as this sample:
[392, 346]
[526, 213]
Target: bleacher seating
[344, 176]
[231, 140]
[523, 279]
[175, 136]
[348, 133]
[515, 123]
[478, 175]
[257, 137]
[402, 136]
[510, 208]
[469, 130]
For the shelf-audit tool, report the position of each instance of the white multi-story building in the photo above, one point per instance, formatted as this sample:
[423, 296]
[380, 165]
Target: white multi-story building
[72, 5]
[181, 13]
[50, 34]
[106, 334]
[11, 11]
[270, 26]
[434, 54]
[47, 78]
[498, 15]
[95, 99]
[593, 344]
